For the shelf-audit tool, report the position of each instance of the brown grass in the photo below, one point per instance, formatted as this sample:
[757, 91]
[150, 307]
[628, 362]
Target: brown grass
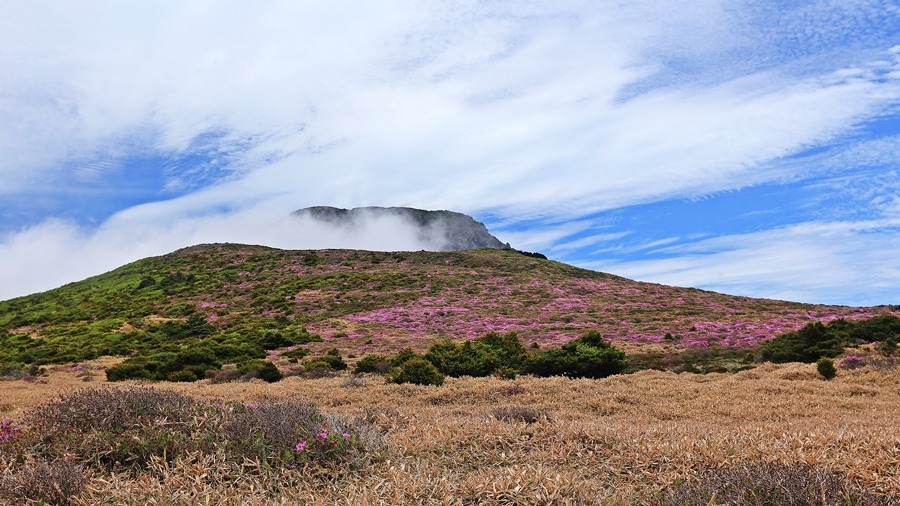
[621, 440]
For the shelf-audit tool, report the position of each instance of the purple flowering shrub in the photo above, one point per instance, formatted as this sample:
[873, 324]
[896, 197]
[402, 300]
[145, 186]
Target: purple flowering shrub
[129, 429]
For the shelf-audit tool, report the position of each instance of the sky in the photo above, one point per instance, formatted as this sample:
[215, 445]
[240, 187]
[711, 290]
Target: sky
[746, 147]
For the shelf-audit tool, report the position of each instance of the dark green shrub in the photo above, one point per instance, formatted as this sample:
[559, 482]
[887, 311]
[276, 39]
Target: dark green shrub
[330, 361]
[589, 356]
[804, 345]
[465, 359]
[506, 349]
[816, 340]
[402, 356]
[481, 357]
[262, 369]
[506, 373]
[296, 353]
[417, 371]
[373, 363]
[128, 370]
[826, 368]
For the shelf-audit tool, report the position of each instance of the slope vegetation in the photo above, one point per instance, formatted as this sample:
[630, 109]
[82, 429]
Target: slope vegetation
[254, 298]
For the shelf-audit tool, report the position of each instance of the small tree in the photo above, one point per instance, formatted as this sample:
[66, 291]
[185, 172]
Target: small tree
[826, 368]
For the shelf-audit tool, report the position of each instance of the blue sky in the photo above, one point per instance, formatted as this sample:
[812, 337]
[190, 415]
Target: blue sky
[751, 148]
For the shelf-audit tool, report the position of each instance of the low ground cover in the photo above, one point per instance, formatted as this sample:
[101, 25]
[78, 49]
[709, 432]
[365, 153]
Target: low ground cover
[646, 438]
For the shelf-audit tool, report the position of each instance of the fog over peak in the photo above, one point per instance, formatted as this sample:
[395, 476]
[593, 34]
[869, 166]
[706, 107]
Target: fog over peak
[434, 230]
[69, 252]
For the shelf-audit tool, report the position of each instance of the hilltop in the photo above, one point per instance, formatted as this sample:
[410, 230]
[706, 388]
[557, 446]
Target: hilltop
[361, 302]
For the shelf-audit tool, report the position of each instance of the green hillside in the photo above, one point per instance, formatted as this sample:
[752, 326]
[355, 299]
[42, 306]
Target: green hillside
[226, 303]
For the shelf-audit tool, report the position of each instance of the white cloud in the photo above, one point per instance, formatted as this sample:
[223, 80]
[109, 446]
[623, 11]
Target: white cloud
[57, 252]
[537, 112]
[826, 262]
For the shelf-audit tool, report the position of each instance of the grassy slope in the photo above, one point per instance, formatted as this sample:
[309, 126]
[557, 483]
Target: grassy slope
[363, 301]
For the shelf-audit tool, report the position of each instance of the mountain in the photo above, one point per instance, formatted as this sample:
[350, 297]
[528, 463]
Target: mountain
[359, 302]
[447, 230]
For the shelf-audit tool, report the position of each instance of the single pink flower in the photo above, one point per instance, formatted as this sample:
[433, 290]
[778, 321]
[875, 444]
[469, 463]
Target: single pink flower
[301, 446]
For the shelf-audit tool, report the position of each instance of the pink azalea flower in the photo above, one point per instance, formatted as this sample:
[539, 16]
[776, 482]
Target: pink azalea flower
[301, 446]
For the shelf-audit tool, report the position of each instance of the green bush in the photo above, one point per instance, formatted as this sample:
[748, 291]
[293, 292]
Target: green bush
[166, 366]
[481, 357]
[465, 359]
[816, 340]
[330, 361]
[417, 371]
[262, 369]
[826, 368]
[589, 356]
[804, 345]
[128, 370]
[373, 363]
[402, 356]
[296, 353]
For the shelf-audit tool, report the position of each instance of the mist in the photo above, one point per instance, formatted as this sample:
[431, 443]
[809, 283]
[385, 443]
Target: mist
[63, 252]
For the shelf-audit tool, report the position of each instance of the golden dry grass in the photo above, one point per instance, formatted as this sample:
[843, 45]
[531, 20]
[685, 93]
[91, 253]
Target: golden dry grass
[611, 441]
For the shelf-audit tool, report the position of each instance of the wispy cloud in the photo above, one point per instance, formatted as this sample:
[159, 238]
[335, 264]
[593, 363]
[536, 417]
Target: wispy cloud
[827, 262]
[541, 115]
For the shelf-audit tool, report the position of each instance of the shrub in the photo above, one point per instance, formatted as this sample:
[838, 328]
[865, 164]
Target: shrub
[466, 359]
[9, 370]
[46, 483]
[816, 340]
[402, 356]
[111, 427]
[373, 363]
[804, 345]
[130, 369]
[331, 361]
[262, 369]
[589, 356]
[127, 429]
[826, 368]
[417, 371]
[765, 483]
[481, 357]
[296, 353]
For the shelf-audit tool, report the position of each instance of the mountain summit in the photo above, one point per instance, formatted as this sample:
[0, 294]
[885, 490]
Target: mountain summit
[448, 230]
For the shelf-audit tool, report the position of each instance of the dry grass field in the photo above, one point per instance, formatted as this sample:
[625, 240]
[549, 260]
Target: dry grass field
[629, 439]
